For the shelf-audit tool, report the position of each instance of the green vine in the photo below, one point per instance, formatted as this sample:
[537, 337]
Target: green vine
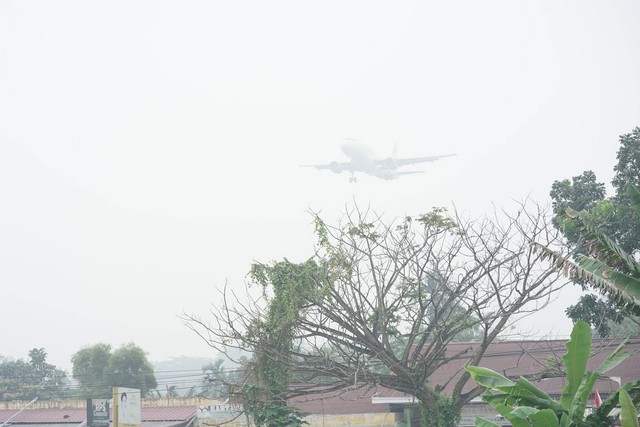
[292, 286]
[441, 413]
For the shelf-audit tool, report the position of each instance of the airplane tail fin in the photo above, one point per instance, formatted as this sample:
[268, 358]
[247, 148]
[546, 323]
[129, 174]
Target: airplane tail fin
[394, 153]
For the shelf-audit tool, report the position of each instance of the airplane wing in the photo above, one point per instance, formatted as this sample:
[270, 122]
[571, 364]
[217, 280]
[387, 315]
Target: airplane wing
[416, 160]
[409, 172]
[336, 167]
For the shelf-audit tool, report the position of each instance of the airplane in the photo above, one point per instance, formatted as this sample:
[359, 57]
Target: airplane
[363, 160]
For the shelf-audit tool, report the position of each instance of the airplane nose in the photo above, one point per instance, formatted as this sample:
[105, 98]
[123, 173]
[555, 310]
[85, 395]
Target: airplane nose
[347, 145]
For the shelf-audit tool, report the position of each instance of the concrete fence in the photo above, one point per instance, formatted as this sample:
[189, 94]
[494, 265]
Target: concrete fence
[81, 403]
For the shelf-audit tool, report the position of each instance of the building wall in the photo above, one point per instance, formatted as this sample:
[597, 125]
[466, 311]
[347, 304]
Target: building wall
[356, 420]
[360, 420]
[80, 404]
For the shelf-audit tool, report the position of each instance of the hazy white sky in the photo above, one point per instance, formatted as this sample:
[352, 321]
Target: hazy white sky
[149, 150]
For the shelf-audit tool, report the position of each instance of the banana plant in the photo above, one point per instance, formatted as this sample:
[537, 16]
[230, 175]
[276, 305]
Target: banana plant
[607, 267]
[525, 405]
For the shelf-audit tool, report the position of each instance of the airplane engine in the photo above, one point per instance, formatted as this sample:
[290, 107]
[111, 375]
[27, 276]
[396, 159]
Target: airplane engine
[389, 163]
[388, 174]
[335, 167]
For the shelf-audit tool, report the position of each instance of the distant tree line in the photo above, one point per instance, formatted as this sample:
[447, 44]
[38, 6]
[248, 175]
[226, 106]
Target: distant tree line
[25, 380]
[98, 368]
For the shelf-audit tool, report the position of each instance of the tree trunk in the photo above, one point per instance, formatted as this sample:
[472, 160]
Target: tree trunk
[441, 412]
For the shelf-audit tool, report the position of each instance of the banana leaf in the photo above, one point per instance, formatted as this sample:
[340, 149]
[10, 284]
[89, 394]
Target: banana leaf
[525, 388]
[544, 418]
[579, 403]
[600, 245]
[575, 361]
[615, 358]
[515, 400]
[524, 412]
[497, 403]
[628, 413]
[611, 278]
[481, 422]
[490, 379]
[586, 270]
[633, 389]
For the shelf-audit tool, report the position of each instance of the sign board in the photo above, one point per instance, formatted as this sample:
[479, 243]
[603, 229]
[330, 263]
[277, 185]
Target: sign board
[126, 407]
[98, 412]
[216, 411]
[471, 420]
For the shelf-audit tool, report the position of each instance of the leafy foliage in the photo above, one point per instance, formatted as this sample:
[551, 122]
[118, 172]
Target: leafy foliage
[442, 413]
[585, 215]
[97, 369]
[379, 302]
[598, 313]
[216, 381]
[129, 367]
[197, 386]
[608, 267]
[627, 173]
[265, 396]
[20, 380]
[90, 370]
[523, 404]
[583, 192]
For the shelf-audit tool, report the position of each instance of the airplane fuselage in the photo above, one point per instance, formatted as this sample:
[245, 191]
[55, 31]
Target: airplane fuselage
[364, 160]
[359, 154]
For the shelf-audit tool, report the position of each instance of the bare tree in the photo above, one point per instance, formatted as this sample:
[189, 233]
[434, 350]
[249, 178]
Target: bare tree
[378, 302]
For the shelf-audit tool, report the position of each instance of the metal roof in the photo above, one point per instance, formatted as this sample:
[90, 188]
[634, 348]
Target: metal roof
[76, 416]
[144, 424]
[44, 416]
[511, 358]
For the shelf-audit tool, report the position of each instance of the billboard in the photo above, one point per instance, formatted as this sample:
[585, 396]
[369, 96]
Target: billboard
[126, 407]
[217, 411]
[98, 412]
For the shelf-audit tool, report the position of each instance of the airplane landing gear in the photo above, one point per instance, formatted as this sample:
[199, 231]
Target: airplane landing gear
[353, 179]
